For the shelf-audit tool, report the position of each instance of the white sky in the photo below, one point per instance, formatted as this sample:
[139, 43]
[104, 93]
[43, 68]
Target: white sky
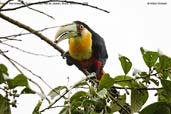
[131, 24]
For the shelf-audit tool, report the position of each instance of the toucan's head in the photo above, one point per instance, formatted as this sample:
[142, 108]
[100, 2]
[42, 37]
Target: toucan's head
[76, 29]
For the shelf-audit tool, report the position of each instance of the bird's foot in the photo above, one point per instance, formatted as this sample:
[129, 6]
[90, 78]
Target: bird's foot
[91, 75]
[64, 55]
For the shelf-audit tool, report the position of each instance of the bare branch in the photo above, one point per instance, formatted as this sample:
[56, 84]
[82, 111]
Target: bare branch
[27, 52]
[9, 59]
[7, 39]
[37, 10]
[3, 5]
[138, 88]
[67, 91]
[62, 1]
[25, 33]
[41, 36]
[13, 62]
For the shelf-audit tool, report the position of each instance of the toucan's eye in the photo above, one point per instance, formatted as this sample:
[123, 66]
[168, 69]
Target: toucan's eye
[81, 27]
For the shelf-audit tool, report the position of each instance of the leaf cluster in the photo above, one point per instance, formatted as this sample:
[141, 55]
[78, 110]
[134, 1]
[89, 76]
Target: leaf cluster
[9, 89]
[111, 94]
[126, 93]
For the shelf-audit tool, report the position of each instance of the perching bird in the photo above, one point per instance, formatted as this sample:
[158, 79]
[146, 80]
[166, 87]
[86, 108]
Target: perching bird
[86, 48]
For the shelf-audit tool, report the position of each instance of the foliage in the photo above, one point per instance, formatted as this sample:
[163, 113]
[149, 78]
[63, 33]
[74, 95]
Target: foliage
[126, 93]
[106, 96]
[9, 89]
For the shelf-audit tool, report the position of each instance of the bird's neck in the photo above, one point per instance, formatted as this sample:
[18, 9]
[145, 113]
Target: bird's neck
[80, 48]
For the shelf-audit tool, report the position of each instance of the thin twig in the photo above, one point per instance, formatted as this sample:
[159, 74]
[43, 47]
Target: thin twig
[25, 33]
[7, 39]
[14, 64]
[67, 91]
[62, 1]
[24, 51]
[138, 88]
[4, 4]
[34, 75]
[37, 10]
[9, 59]
[41, 36]
[39, 88]
[3, 51]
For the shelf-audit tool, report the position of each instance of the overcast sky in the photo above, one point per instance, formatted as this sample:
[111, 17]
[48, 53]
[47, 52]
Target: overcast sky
[131, 24]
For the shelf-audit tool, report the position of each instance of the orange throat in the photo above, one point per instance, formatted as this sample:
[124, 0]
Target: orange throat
[80, 48]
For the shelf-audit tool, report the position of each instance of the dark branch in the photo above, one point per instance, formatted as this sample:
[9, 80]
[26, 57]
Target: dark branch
[62, 1]
[27, 52]
[41, 36]
[37, 10]
[6, 39]
[3, 5]
[26, 33]
[138, 88]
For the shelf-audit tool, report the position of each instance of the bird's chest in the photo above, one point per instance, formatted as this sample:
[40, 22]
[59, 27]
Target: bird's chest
[80, 48]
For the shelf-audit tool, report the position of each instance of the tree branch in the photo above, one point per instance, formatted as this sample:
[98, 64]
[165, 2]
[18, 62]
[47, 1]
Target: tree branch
[25, 33]
[41, 36]
[3, 5]
[37, 10]
[67, 91]
[14, 64]
[138, 88]
[62, 1]
[27, 52]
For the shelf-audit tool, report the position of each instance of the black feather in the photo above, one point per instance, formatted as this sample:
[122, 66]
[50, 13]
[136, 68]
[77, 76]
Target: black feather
[99, 47]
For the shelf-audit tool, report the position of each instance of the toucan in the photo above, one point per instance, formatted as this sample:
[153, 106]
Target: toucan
[87, 49]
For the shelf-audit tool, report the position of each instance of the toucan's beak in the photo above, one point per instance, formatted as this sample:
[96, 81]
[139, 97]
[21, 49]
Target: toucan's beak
[66, 32]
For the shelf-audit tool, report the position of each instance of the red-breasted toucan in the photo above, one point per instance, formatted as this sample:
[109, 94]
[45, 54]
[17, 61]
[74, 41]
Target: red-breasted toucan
[87, 49]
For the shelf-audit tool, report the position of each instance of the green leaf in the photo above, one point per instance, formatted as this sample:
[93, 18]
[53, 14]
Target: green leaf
[163, 66]
[136, 101]
[114, 105]
[82, 83]
[163, 96]
[149, 57]
[106, 82]
[19, 80]
[92, 91]
[123, 81]
[102, 93]
[165, 61]
[2, 80]
[3, 71]
[78, 95]
[36, 109]
[4, 105]
[125, 63]
[156, 108]
[99, 104]
[138, 98]
[64, 110]
[27, 90]
[165, 93]
[56, 91]
[166, 85]
[156, 82]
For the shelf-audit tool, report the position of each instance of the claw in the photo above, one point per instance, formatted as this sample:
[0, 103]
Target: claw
[64, 55]
[91, 75]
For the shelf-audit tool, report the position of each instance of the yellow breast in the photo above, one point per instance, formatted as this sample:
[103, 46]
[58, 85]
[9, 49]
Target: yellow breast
[80, 47]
